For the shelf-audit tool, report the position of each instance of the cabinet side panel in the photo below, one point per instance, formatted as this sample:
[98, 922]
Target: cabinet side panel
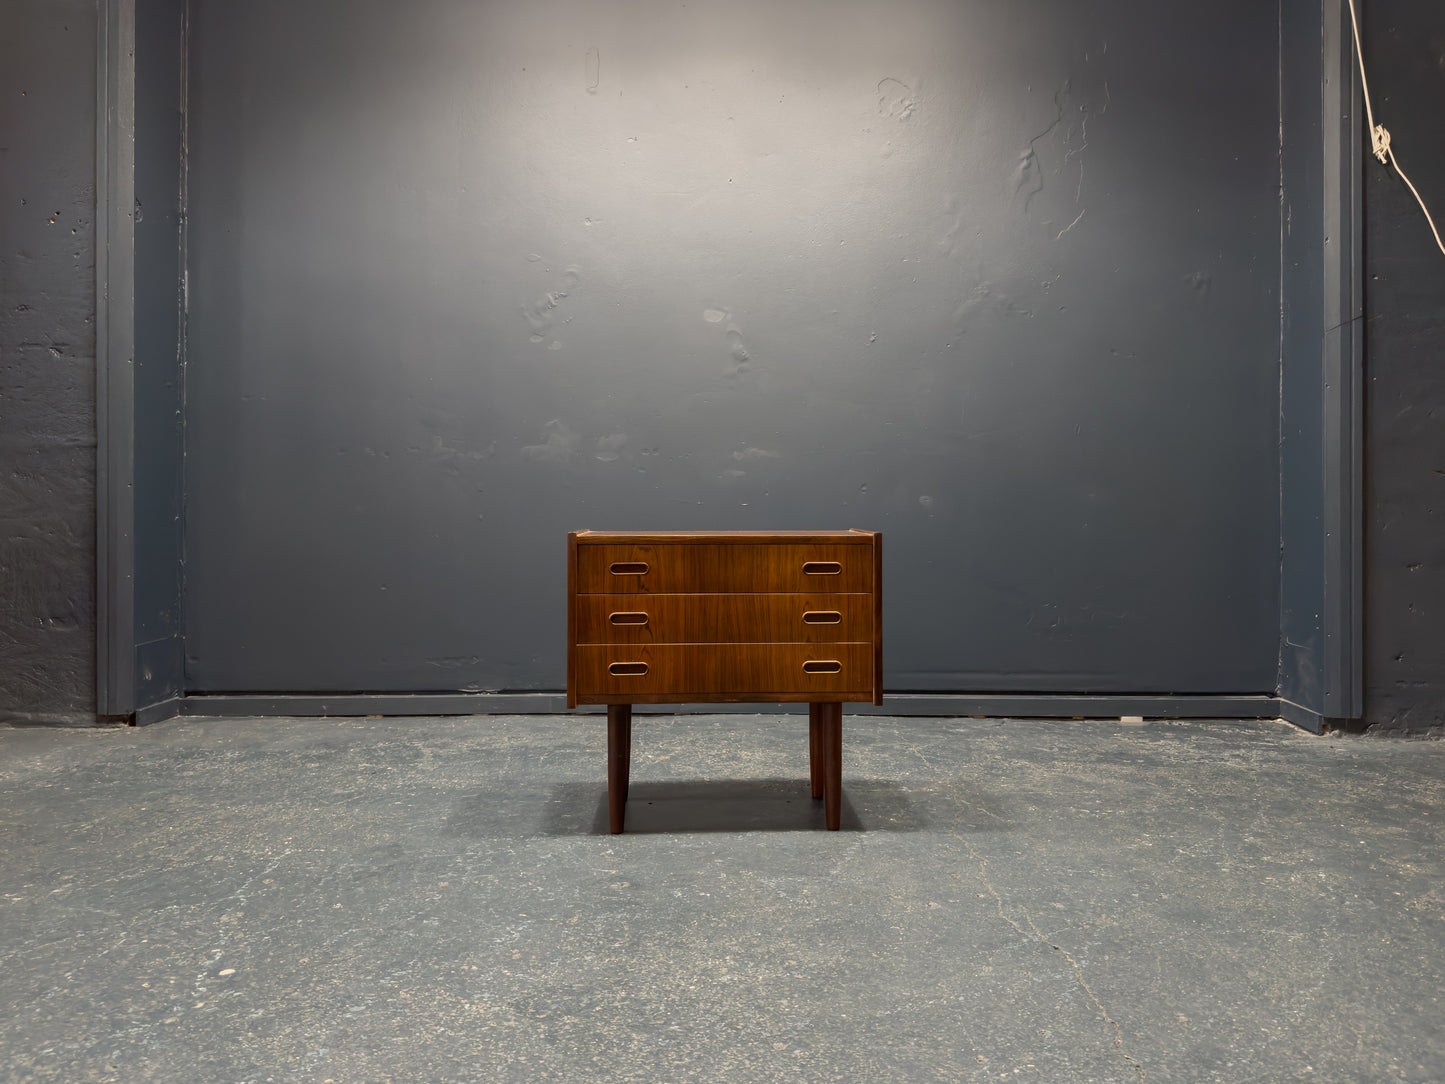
[572, 619]
[878, 618]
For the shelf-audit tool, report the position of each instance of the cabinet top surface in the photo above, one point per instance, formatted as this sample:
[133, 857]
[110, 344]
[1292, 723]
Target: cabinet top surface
[852, 535]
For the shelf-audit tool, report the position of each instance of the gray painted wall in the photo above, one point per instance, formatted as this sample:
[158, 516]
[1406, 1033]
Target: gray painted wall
[47, 360]
[1405, 380]
[998, 280]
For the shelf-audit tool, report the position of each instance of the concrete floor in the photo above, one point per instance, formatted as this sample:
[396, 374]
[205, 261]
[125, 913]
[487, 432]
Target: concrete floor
[352, 900]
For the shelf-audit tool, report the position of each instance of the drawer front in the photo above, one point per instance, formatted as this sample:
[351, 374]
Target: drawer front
[724, 619]
[749, 568]
[764, 672]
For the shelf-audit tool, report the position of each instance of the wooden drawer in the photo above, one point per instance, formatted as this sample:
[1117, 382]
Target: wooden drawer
[673, 673]
[724, 619]
[744, 567]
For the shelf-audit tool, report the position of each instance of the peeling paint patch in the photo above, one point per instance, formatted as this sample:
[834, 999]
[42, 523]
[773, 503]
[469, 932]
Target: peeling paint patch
[1058, 151]
[733, 336]
[459, 662]
[450, 453]
[610, 447]
[736, 347]
[559, 444]
[754, 454]
[985, 298]
[541, 313]
[948, 241]
[1070, 226]
[592, 70]
[896, 99]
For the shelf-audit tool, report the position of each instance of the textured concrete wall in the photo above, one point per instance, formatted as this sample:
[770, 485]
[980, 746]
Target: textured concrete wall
[47, 360]
[1405, 375]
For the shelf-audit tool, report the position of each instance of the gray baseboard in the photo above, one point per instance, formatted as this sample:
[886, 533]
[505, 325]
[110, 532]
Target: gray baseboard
[1309, 720]
[1055, 706]
[242, 705]
[987, 705]
[158, 712]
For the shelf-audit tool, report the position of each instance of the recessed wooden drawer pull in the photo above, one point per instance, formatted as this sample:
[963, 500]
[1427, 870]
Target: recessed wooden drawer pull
[628, 568]
[822, 666]
[821, 617]
[821, 568]
[627, 669]
[628, 618]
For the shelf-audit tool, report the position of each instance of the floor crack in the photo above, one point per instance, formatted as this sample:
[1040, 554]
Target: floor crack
[1073, 962]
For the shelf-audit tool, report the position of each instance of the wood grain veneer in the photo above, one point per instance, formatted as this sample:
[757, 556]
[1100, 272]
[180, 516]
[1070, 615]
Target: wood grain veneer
[694, 617]
[724, 619]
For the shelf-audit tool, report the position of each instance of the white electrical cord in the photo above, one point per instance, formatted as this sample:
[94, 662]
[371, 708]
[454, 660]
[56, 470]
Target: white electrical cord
[1380, 136]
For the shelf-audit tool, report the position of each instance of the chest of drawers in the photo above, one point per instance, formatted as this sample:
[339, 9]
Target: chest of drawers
[687, 617]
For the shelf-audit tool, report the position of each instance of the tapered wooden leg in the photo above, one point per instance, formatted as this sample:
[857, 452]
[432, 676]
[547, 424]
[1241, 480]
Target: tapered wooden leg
[619, 759]
[815, 749]
[832, 727]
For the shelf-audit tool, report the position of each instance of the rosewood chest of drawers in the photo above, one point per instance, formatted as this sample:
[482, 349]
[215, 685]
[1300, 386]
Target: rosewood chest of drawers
[684, 617]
